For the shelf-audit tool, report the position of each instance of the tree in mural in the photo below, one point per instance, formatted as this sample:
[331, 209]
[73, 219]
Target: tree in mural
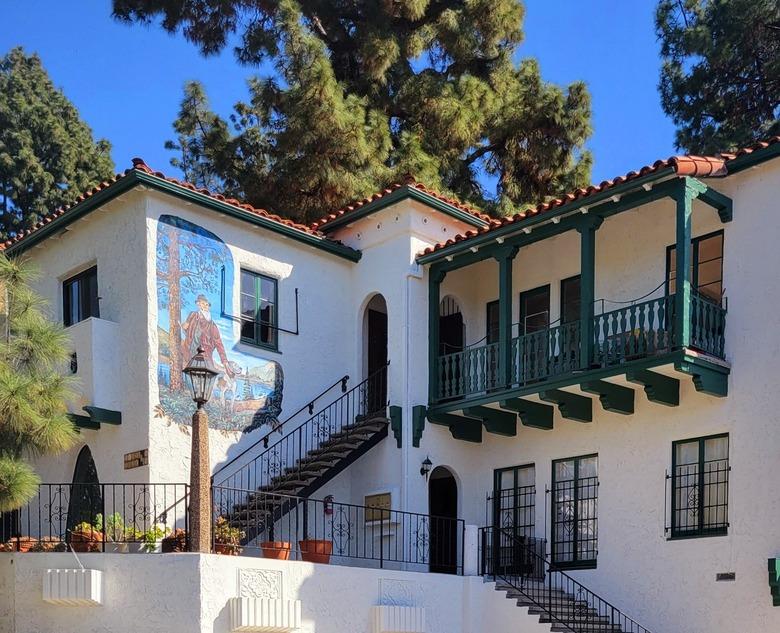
[33, 388]
[184, 262]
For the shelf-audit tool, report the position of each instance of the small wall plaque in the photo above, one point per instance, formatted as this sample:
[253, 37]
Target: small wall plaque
[137, 459]
[728, 576]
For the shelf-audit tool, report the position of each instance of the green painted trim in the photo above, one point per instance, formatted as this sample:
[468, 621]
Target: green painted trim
[571, 405]
[718, 201]
[135, 177]
[773, 567]
[682, 298]
[449, 419]
[505, 257]
[104, 416]
[615, 398]
[587, 227]
[756, 157]
[494, 420]
[435, 277]
[707, 377]
[532, 414]
[658, 388]
[418, 423]
[84, 422]
[467, 432]
[402, 193]
[598, 204]
[396, 424]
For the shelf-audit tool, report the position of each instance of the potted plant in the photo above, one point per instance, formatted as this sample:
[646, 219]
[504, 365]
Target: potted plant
[134, 539]
[176, 542]
[86, 538]
[227, 539]
[22, 543]
[48, 544]
[316, 550]
[153, 539]
[279, 550]
[114, 531]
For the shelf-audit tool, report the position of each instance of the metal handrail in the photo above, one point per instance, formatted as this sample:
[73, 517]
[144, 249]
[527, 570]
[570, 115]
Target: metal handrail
[300, 440]
[542, 594]
[264, 440]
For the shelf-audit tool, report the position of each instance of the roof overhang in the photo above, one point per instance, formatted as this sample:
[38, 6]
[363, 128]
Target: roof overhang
[403, 193]
[134, 178]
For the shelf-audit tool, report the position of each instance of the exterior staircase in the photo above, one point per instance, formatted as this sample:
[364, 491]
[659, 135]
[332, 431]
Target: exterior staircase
[293, 463]
[555, 597]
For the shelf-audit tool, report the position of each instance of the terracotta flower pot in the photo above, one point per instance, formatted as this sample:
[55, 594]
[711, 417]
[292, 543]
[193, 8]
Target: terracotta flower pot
[23, 543]
[227, 549]
[279, 550]
[86, 541]
[316, 551]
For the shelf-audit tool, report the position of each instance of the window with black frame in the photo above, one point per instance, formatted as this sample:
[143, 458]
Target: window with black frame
[80, 299]
[513, 506]
[258, 309]
[706, 266]
[575, 492]
[700, 482]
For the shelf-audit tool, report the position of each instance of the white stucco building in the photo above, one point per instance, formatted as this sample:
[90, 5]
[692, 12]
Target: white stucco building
[575, 405]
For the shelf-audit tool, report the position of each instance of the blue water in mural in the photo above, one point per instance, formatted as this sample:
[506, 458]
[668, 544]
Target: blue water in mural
[195, 275]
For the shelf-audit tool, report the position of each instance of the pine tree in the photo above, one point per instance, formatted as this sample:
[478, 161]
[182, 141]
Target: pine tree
[367, 91]
[720, 79]
[47, 154]
[33, 388]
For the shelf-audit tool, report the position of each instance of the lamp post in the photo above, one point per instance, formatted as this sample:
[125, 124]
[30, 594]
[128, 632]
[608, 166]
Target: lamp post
[201, 379]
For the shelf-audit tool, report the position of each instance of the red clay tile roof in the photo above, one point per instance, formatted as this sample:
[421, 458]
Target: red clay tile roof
[410, 182]
[687, 165]
[141, 166]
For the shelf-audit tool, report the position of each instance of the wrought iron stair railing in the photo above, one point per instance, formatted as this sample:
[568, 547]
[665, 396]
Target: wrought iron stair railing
[317, 443]
[520, 567]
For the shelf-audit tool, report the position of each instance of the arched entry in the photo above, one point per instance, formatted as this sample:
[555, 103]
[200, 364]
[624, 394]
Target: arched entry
[86, 500]
[443, 508]
[375, 333]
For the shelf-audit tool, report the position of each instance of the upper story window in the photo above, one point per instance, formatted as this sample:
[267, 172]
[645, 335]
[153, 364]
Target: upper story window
[700, 482]
[570, 299]
[706, 266]
[80, 297]
[492, 321]
[258, 309]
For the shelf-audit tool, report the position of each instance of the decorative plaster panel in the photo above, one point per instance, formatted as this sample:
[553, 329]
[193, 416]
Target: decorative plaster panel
[398, 593]
[259, 583]
[387, 619]
[264, 614]
[73, 587]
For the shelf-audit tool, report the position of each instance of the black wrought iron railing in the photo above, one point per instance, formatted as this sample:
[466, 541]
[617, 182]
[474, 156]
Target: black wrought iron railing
[343, 533]
[280, 429]
[341, 418]
[97, 517]
[526, 571]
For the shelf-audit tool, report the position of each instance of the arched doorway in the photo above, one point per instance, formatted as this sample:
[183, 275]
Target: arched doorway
[443, 508]
[86, 500]
[375, 330]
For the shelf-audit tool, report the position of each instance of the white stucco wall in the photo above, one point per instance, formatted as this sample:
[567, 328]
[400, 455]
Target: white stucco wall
[189, 593]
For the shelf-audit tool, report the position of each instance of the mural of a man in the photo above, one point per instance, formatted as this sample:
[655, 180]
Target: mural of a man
[201, 331]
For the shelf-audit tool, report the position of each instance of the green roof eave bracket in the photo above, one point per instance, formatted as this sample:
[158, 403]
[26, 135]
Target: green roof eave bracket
[709, 196]
[96, 417]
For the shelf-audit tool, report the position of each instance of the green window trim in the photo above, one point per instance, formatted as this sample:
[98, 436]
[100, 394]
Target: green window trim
[695, 245]
[697, 507]
[265, 332]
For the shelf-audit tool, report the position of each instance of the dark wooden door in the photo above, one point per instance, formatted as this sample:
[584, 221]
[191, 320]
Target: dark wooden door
[86, 499]
[377, 359]
[443, 508]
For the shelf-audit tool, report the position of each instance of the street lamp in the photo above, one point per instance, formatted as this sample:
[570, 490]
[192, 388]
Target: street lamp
[201, 379]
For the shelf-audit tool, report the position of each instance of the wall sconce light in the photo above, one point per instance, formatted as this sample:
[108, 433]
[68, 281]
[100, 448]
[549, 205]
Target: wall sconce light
[425, 468]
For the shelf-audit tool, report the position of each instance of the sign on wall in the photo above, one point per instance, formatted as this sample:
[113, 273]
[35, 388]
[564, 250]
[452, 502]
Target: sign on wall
[192, 266]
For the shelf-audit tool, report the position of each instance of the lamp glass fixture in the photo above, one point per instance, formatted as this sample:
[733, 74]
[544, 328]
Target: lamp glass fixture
[201, 377]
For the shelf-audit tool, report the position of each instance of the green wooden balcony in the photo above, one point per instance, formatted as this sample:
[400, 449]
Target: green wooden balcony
[637, 336]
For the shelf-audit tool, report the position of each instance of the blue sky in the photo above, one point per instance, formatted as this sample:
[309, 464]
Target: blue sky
[127, 80]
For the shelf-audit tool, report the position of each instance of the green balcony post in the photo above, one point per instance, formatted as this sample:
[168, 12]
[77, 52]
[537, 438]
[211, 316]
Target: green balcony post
[682, 298]
[587, 228]
[505, 257]
[436, 276]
